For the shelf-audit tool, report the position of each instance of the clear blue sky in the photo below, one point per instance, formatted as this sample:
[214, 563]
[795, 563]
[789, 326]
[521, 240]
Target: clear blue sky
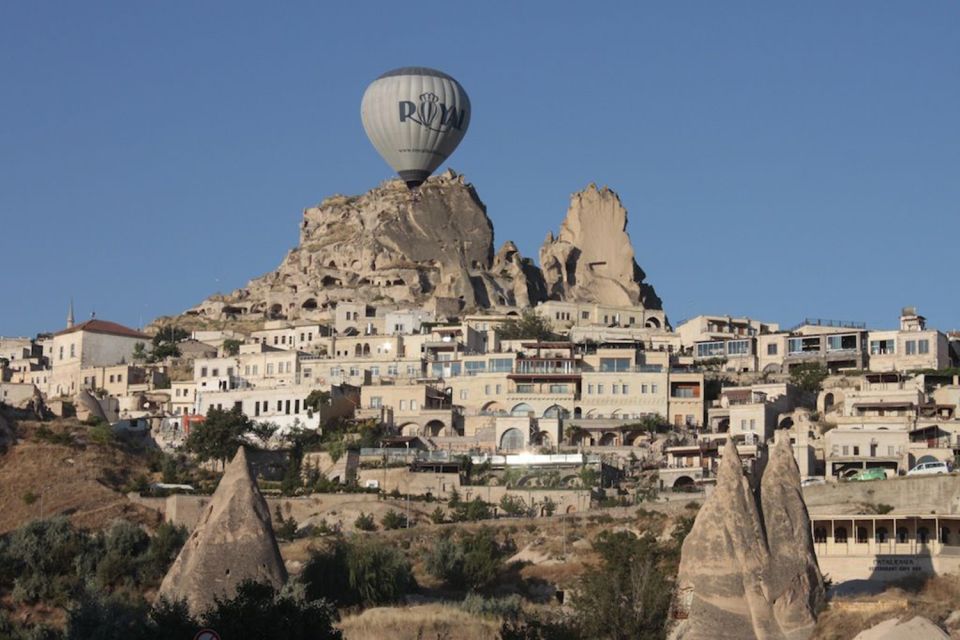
[778, 159]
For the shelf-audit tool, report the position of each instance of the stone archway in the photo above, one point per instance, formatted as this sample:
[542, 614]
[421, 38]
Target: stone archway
[512, 440]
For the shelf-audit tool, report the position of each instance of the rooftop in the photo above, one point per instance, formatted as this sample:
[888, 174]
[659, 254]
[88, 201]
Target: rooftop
[103, 326]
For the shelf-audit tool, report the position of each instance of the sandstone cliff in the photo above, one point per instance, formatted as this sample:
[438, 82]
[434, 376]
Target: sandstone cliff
[232, 542]
[748, 570]
[388, 248]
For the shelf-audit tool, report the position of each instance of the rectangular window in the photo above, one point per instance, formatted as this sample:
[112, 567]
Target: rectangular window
[203, 372]
[474, 367]
[392, 370]
[256, 367]
[584, 315]
[524, 388]
[354, 371]
[923, 346]
[256, 408]
[403, 405]
[500, 365]
[215, 372]
[376, 402]
[614, 364]
[882, 347]
[842, 343]
[615, 389]
[600, 389]
[772, 349]
[911, 347]
[626, 390]
[753, 424]
[710, 350]
[486, 389]
[590, 389]
[558, 388]
[643, 388]
[653, 388]
[296, 405]
[246, 370]
[73, 350]
[463, 394]
[856, 450]
[498, 390]
[375, 371]
[269, 368]
[738, 347]
[846, 450]
[890, 452]
[413, 405]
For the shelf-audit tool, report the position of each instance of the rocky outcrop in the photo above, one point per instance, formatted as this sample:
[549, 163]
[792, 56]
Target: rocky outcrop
[592, 259]
[793, 579]
[390, 248]
[742, 575]
[232, 542]
[916, 628]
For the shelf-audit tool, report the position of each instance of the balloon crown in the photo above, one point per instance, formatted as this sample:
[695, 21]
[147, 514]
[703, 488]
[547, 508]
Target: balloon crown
[429, 97]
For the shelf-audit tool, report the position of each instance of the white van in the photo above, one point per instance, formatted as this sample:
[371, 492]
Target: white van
[929, 468]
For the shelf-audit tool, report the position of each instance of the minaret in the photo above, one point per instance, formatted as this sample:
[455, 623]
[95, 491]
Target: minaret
[70, 315]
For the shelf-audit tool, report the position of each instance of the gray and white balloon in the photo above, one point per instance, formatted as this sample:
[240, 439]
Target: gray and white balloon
[415, 117]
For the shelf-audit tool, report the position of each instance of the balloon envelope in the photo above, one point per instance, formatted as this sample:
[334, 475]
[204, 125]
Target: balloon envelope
[415, 117]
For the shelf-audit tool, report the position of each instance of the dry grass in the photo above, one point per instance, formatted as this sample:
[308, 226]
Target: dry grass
[65, 480]
[933, 599]
[424, 622]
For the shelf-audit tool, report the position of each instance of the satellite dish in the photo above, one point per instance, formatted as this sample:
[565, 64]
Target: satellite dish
[415, 117]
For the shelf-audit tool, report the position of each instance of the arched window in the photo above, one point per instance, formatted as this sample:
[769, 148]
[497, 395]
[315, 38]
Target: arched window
[882, 534]
[521, 409]
[923, 535]
[901, 534]
[944, 535]
[511, 440]
[556, 411]
[840, 535]
[862, 535]
[820, 534]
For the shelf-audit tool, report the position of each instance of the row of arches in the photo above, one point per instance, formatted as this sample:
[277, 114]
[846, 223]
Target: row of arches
[433, 429]
[841, 533]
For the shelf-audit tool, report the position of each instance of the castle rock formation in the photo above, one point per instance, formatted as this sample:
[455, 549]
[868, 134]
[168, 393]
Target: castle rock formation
[390, 248]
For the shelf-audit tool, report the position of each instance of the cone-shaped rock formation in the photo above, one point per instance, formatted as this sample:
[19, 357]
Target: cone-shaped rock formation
[749, 571]
[233, 542]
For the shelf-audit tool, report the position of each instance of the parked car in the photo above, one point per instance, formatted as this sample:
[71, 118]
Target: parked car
[929, 469]
[809, 482]
[865, 475]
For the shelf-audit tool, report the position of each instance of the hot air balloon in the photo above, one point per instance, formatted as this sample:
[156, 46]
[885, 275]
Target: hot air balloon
[415, 117]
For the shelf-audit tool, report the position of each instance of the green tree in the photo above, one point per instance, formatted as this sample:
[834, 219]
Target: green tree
[317, 399]
[514, 506]
[219, 436]
[628, 595]
[139, 352]
[809, 376]
[231, 347]
[529, 326]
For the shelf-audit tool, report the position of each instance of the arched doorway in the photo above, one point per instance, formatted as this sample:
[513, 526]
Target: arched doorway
[609, 440]
[828, 401]
[435, 428]
[410, 429]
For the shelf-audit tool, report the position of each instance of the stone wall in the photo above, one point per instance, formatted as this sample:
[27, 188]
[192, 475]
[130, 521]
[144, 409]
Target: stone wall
[920, 494]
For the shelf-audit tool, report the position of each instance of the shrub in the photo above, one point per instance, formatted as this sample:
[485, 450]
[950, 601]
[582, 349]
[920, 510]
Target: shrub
[473, 562]
[508, 607]
[364, 522]
[366, 572]
[438, 516]
[284, 528]
[513, 506]
[393, 520]
[379, 573]
[29, 498]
